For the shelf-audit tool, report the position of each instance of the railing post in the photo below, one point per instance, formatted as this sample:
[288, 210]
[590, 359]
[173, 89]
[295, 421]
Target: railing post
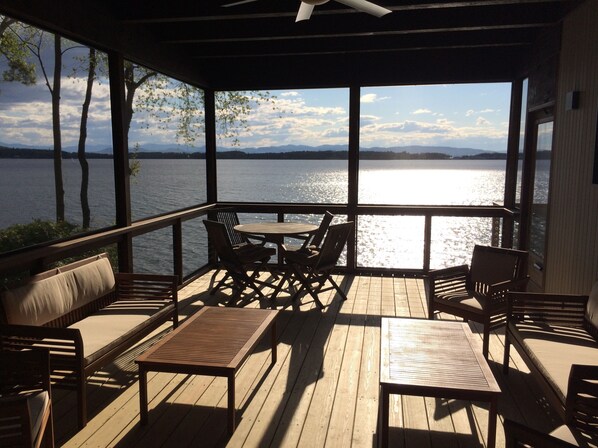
[177, 249]
[427, 242]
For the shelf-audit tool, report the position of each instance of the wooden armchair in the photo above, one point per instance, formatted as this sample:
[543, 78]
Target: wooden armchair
[25, 399]
[478, 293]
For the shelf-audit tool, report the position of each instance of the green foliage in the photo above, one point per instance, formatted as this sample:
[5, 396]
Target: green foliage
[38, 232]
[15, 53]
[168, 101]
[24, 235]
[134, 162]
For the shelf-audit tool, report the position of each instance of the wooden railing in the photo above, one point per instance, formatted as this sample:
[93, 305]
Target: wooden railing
[39, 257]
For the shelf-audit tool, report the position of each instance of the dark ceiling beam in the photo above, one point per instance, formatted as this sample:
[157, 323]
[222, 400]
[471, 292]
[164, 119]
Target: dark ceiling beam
[403, 42]
[141, 11]
[408, 22]
[91, 23]
[371, 69]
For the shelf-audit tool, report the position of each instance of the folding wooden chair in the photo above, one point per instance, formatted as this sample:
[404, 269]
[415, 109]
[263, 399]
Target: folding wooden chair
[313, 268]
[238, 261]
[316, 239]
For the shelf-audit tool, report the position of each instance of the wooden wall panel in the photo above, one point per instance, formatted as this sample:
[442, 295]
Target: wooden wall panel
[572, 249]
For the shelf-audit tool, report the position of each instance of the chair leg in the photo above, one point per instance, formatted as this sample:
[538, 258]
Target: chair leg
[285, 278]
[338, 289]
[431, 309]
[220, 284]
[82, 400]
[301, 277]
[505, 362]
[49, 431]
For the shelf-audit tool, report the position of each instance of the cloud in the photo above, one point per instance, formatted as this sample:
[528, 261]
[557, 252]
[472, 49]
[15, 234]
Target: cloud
[290, 93]
[471, 112]
[421, 111]
[368, 119]
[481, 121]
[444, 121]
[373, 98]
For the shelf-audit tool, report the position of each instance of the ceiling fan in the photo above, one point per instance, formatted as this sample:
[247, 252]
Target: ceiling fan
[307, 6]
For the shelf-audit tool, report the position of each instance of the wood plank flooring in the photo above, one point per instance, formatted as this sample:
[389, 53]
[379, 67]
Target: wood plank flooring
[322, 392]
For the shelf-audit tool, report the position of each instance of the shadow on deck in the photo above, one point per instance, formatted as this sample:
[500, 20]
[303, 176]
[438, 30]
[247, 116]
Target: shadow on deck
[323, 390]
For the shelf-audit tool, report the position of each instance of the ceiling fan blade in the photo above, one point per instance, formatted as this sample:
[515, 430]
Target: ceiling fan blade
[305, 11]
[240, 2]
[365, 6]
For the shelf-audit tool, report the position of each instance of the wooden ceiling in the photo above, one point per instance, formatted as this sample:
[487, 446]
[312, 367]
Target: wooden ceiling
[259, 45]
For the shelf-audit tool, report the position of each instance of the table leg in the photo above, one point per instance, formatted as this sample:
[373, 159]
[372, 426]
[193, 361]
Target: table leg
[279, 241]
[231, 403]
[492, 423]
[142, 395]
[384, 417]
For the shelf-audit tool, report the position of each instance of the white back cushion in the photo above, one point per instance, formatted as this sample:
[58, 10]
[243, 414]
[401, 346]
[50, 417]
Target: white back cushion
[44, 300]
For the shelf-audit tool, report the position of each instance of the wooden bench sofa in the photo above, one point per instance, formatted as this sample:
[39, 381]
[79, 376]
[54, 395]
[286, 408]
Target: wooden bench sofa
[86, 316]
[557, 337]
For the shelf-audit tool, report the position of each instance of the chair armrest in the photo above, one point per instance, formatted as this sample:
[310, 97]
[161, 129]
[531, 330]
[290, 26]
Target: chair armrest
[260, 239]
[60, 342]
[581, 403]
[149, 287]
[517, 435]
[146, 287]
[555, 309]
[447, 279]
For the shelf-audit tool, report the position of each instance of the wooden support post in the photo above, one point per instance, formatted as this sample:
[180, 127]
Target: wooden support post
[353, 192]
[120, 147]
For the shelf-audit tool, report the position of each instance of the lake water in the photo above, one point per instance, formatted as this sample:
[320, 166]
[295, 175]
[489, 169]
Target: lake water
[165, 185]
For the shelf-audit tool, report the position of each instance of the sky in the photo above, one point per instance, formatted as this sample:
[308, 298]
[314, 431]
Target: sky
[465, 115]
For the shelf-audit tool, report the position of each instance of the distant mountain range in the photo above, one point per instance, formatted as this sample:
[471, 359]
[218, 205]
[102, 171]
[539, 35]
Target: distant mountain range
[162, 151]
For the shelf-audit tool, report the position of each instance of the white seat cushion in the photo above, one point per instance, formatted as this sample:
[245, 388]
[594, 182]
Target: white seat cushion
[37, 404]
[107, 327]
[555, 349]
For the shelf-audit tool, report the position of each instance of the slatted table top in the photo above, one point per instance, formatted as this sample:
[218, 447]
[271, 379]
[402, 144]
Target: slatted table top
[430, 357]
[216, 337]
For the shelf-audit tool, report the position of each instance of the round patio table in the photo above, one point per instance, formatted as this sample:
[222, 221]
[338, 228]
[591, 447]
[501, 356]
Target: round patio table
[276, 231]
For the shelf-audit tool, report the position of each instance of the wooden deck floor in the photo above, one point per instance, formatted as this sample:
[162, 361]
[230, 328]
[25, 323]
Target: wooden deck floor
[323, 390]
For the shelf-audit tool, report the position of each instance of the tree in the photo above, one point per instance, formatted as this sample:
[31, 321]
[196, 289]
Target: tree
[162, 98]
[19, 68]
[167, 101]
[83, 193]
[35, 40]
[56, 131]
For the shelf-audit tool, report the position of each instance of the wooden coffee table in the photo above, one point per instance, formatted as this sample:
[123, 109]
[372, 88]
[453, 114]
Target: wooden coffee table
[214, 341]
[434, 359]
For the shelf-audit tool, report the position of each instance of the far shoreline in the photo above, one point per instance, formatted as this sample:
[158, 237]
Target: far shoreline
[14, 153]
